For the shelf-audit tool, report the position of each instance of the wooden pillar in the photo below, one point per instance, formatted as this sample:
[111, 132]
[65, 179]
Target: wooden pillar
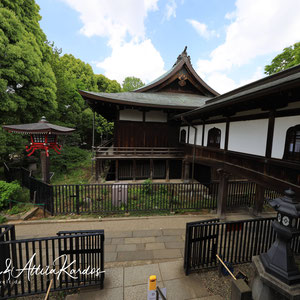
[270, 134]
[151, 168]
[117, 171]
[227, 134]
[97, 169]
[203, 132]
[167, 170]
[186, 176]
[222, 193]
[134, 170]
[45, 167]
[259, 200]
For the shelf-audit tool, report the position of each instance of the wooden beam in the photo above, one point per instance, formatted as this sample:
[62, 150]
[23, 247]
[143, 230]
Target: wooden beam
[188, 137]
[270, 134]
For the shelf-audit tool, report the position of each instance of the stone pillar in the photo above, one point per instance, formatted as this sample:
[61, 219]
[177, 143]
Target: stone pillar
[259, 200]
[45, 167]
[222, 193]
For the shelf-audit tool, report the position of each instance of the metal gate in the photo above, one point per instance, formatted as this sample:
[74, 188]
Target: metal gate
[71, 259]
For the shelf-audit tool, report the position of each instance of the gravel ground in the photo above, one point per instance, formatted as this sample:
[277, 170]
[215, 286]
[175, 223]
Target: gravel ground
[222, 285]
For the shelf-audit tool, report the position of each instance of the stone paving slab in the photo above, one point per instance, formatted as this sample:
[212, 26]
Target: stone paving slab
[139, 240]
[117, 241]
[140, 274]
[174, 245]
[113, 278]
[129, 247]
[168, 238]
[154, 246]
[118, 234]
[105, 294]
[171, 270]
[110, 257]
[145, 233]
[173, 231]
[135, 255]
[166, 253]
[110, 248]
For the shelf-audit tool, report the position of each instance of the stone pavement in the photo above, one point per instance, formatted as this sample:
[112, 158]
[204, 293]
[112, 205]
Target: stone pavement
[130, 283]
[136, 248]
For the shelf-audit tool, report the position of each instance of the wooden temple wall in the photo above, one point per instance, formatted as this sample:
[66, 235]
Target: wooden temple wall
[145, 134]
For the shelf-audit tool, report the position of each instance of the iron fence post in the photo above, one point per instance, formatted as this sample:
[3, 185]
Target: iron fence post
[77, 199]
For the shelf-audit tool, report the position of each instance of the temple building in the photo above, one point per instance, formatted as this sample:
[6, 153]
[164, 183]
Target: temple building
[179, 127]
[145, 143]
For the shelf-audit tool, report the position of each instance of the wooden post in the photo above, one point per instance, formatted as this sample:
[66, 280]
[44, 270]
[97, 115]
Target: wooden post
[270, 134]
[97, 169]
[258, 200]
[226, 134]
[117, 171]
[151, 168]
[186, 177]
[203, 132]
[45, 167]
[222, 193]
[134, 170]
[167, 170]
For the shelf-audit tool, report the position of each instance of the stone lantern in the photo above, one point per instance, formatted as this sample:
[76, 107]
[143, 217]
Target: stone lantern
[43, 136]
[279, 260]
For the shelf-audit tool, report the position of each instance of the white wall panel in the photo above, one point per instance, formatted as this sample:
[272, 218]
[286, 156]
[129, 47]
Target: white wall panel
[131, 115]
[156, 116]
[186, 130]
[248, 136]
[280, 128]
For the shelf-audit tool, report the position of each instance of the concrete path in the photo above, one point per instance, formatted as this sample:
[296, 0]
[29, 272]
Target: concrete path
[130, 283]
[135, 248]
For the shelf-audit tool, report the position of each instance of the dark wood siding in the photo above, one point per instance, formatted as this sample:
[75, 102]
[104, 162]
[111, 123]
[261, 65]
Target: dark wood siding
[139, 134]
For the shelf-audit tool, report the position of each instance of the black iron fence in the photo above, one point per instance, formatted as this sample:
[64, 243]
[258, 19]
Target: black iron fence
[147, 196]
[71, 261]
[235, 242]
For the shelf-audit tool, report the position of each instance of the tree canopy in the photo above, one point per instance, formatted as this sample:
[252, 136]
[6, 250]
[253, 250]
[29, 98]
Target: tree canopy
[37, 80]
[132, 83]
[288, 58]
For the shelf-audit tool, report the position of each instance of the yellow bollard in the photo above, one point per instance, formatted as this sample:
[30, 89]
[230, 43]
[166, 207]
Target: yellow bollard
[152, 283]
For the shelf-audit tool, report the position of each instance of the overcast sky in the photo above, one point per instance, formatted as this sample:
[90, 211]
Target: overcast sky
[229, 42]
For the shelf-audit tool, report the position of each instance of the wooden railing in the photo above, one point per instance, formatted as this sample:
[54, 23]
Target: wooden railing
[138, 152]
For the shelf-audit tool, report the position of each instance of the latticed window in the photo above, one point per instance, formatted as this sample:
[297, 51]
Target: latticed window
[183, 136]
[292, 143]
[214, 138]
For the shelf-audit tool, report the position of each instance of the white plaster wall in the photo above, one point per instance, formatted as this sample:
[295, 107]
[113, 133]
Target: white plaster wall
[280, 128]
[199, 135]
[248, 136]
[192, 135]
[187, 132]
[131, 115]
[156, 116]
[221, 126]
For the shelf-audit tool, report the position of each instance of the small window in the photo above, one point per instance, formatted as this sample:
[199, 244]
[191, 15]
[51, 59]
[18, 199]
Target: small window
[292, 144]
[214, 138]
[183, 136]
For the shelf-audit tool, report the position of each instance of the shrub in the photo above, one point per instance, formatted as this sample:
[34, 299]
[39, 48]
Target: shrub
[70, 158]
[9, 192]
[2, 219]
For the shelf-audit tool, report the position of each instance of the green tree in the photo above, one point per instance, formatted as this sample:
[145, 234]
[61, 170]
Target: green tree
[132, 83]
[288, 58]
[27, 82]
[106, 85]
